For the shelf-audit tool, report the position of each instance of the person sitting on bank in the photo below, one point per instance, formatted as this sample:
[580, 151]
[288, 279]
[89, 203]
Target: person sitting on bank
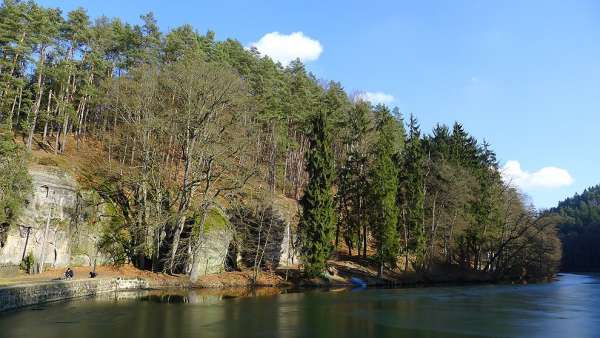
[69, 273]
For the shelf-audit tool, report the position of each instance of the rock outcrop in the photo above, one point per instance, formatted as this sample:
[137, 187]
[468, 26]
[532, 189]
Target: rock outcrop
[43, 230]
[289, 253]
[60, 226]
[211, 256]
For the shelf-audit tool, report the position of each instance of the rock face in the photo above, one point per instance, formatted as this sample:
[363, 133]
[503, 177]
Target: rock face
[60, 224]
[44, 227]
[210, 257]
[289, 253]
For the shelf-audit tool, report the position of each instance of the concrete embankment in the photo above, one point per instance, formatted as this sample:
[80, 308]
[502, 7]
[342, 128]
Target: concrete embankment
[17, 296]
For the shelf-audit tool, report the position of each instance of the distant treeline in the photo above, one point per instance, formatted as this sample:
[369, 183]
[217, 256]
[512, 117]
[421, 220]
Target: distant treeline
[580, 230]
[177, 123]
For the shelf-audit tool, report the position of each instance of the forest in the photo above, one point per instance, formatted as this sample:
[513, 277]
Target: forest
[170, 125]
[579, 230]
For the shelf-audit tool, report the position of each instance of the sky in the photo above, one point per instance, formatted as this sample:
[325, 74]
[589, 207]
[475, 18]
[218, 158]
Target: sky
[523, 75]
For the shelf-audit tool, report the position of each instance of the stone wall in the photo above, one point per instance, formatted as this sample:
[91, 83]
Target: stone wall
[14, 297]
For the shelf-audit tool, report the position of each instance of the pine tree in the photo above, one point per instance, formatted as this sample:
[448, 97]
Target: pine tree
[46, 25]
[318, 216]
[15, 49]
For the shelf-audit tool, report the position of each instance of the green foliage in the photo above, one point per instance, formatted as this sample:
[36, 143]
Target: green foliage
[412, 191]
[579, 229]
[215, 220]
[352, 195]
[318, 214]
[383, 191]
[15, 182]
[116, 242]
[28, 262]
[185, 120]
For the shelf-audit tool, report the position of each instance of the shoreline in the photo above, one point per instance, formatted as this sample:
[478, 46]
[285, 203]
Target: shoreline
[28, 292]
[14, 297]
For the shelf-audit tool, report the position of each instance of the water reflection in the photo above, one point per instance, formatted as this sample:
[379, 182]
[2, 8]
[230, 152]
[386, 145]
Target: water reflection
[567, 308]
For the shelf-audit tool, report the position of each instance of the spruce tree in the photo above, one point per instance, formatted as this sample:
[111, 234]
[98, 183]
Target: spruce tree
[412, 184]
[384, 186]
[352, 175]
[317, 223]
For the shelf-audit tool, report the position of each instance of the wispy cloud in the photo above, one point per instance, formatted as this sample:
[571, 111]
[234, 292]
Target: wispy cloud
[287, 47]
[548, 177]
[375, 97]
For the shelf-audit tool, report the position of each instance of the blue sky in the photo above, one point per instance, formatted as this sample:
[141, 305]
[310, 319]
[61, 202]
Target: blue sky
[524, 75]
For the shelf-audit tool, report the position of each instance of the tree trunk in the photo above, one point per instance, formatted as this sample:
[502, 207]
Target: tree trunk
[38, 100]
[47, 116]
[185, 199]
[364, 241]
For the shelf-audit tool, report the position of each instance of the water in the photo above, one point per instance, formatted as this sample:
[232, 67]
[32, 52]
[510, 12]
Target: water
[567, 308]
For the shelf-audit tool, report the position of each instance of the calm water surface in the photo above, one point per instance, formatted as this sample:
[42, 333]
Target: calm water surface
[567, 308]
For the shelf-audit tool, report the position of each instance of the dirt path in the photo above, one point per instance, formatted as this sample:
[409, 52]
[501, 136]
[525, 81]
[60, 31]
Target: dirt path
[126, 271]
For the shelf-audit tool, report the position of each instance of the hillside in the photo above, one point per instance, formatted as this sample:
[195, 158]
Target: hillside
[580, 230]
[183, 154]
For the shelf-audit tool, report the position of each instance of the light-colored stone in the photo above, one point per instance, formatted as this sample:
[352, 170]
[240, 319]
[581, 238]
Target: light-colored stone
[289, 254]
[210, 257]
[52, 224]
[52, 203]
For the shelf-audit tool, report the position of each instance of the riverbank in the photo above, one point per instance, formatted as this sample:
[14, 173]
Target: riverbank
[25, 290]
[541, 310]
[17, 296]
[341, 272]
[83, 273]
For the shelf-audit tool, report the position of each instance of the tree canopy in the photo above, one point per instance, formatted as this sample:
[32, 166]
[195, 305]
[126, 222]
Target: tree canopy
[173, 124]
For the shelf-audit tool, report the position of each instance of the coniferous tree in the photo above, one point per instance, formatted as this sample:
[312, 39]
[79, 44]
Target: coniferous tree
[352, 191]
[412, 187]
[579, 228]
[383, 194]
[317, 223]
[65, 76]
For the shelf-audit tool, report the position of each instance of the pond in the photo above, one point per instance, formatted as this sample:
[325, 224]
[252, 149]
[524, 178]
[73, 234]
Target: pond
[569, 307]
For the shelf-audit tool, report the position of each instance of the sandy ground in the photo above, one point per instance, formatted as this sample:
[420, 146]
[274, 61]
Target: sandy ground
[339, 273]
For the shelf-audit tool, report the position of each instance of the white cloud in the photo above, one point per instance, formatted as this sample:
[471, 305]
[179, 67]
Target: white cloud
[286, 48]
[548, 177]
[376, 97]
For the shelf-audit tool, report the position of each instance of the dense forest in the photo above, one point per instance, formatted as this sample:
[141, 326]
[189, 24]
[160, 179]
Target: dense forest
[173, 124]
[579, 230]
